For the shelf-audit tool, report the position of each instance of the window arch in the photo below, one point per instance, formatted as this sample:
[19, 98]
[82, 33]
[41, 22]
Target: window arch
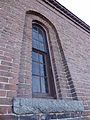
[42, 78]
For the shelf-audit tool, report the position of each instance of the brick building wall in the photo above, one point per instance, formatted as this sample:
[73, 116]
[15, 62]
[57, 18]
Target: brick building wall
[69, 44]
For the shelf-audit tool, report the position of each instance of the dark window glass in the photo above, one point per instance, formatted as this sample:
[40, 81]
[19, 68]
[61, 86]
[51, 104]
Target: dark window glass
[35, 44]
[34, 28]
[42, 70]
[41, 38]
[43, 84]
[36, 84]
[35, 35]
[41, 46]
[35, 56]
[41, 74]
[35, 68]
[41, 57]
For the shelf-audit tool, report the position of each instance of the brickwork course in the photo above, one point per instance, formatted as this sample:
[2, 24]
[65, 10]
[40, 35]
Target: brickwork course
[68, 40]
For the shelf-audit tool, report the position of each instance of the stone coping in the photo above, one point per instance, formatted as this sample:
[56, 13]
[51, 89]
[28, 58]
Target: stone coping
[38, 105]
[70, 14]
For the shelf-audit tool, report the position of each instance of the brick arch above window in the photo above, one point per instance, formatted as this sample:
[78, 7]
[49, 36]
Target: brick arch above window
[63, 82]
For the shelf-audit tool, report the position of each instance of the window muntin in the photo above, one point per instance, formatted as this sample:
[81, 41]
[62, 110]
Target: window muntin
[41, 68]
[38, 39]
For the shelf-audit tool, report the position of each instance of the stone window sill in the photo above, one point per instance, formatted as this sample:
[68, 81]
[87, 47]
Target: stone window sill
[37, 105]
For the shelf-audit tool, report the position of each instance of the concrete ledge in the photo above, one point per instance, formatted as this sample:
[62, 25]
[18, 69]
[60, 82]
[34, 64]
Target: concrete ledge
[32, 106]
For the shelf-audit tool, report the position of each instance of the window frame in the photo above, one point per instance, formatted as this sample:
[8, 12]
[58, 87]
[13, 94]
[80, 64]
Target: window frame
[48, 68]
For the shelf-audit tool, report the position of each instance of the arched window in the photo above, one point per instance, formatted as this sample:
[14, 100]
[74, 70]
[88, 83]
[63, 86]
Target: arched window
[42, 78]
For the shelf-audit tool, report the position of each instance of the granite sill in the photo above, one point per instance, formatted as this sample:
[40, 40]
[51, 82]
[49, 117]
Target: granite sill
[38, 105]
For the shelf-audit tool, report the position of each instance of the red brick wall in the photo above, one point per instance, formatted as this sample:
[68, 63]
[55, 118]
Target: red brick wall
[71, 47]
[10, 44]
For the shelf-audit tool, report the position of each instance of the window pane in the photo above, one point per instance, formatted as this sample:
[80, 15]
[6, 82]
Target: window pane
[35, 68]
[40, 36]
[35, 28]
[35, 44]
[41, 46]
[35, 84]
[35, 35]
[41, 58]
[43, 85]
[35, 56]
[41, 69]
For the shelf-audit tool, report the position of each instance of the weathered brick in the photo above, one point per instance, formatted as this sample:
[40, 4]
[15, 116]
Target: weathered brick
[2, 93]
[9, 109]
[5, 58]
[6, 63]
[3, 79]
[5, 101]
[7, 74]
[11, 93]
[10, 87]
[3, 110]
[5, 68]
[8, 54]
[2, 86]
[1, 52]
[8, 117]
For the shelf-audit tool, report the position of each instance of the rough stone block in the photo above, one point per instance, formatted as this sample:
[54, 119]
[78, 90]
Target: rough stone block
[32, 106]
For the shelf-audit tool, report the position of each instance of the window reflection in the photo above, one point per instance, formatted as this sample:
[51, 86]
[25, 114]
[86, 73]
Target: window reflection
[35, 68]
[43, 84]
[35, 35]
[42, 70]
[41, 36]
[36, 84]
[38, 39]
[39, 81]
[35, 56]
[35, 28]
[35, 44]
[41, 57]
[41, 46]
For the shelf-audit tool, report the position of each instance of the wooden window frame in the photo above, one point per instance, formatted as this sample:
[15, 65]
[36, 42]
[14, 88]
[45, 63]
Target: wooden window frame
[48, 69]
